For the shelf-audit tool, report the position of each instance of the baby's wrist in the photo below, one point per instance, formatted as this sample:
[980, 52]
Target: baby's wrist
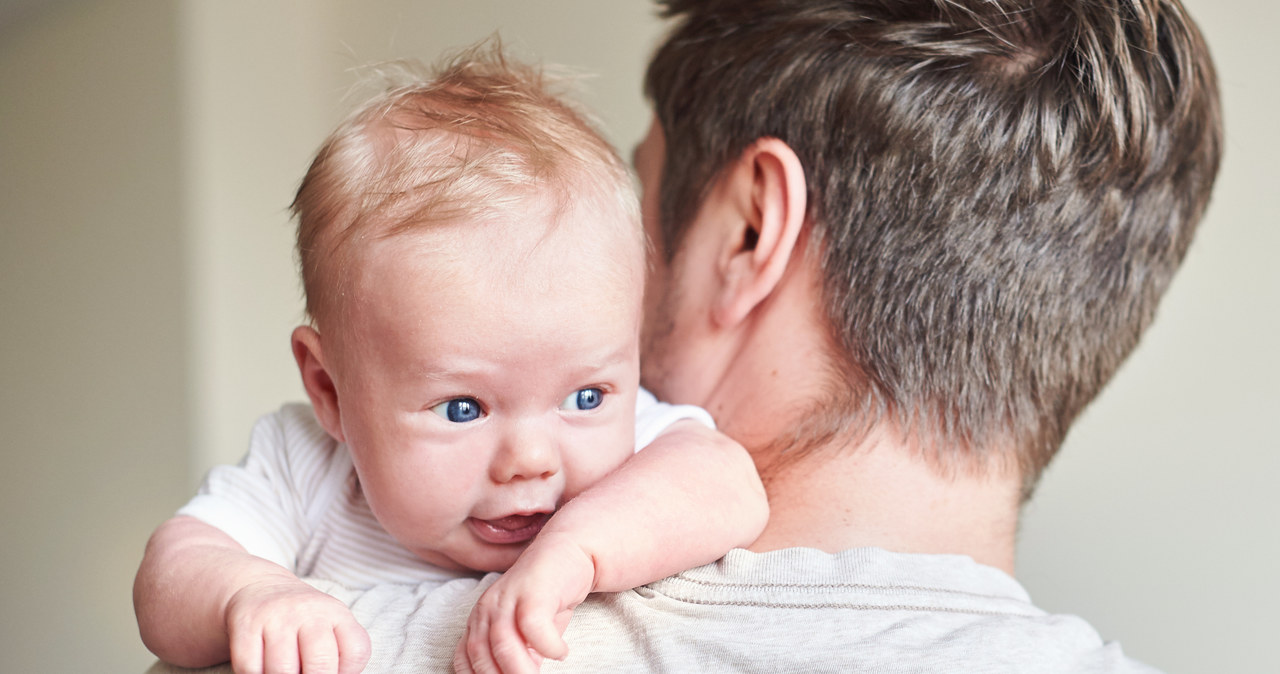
[565, 553]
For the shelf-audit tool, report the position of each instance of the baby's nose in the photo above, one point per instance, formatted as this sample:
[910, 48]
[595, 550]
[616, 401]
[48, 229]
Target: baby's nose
[529, 451]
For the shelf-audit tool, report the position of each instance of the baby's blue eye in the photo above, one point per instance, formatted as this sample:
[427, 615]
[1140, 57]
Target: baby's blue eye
[583, 399]
[459, 410]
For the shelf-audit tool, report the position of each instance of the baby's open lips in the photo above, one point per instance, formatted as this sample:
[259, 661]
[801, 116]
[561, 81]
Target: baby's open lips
[512, 529]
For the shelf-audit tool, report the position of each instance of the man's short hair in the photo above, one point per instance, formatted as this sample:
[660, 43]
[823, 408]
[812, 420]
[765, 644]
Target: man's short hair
[479, 134]
[1000, 190]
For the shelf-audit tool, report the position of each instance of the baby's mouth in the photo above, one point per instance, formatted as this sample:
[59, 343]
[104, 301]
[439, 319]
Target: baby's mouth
[520, 528]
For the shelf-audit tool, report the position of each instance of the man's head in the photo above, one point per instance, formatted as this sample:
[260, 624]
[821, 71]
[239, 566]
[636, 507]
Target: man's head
[998, 191]
[473, 263]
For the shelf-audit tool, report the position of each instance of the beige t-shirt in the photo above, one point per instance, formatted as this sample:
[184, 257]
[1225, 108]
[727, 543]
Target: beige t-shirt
[792, 610]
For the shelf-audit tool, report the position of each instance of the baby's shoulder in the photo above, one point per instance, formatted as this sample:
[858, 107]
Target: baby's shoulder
[293, 433]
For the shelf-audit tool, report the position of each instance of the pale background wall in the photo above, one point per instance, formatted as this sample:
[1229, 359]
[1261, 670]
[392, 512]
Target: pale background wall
[149, 149]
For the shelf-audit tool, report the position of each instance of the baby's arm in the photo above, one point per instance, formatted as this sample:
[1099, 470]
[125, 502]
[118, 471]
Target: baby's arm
[201, 600]
[687, 499]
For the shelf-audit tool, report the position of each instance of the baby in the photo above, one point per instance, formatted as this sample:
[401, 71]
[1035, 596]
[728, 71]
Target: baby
[473, 266]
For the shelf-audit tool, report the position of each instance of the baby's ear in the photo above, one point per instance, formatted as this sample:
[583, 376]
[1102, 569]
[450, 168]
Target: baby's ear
[316, 380]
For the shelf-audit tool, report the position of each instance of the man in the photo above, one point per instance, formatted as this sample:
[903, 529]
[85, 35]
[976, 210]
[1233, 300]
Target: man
[900, 246]
[926, 233]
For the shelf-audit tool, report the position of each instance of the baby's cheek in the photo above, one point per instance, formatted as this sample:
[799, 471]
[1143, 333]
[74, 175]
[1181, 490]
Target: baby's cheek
[592, 453]
[594, 468]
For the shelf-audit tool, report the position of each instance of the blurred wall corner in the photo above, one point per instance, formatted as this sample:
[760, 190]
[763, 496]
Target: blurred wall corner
[94, 330]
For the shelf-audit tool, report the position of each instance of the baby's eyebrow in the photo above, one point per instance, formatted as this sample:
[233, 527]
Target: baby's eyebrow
[603, 361]
[437, 374]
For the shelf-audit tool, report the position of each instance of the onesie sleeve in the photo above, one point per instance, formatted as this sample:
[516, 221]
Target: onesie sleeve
[653, 417]
[267, 501]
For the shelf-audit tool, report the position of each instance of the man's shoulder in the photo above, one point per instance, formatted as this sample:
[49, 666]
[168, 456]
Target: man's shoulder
[856, 611]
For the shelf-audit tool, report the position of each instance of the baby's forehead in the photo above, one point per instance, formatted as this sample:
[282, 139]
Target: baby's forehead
[541, 242]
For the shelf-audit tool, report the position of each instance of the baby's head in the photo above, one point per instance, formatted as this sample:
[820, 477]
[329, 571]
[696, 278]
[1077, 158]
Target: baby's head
[473, 264]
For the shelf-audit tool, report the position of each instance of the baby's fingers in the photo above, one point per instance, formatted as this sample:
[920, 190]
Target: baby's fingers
[280, 653]
[318, 646]
[514, 657]
[246, 652]
[468, 660]
[496, 646]
[473, 653]
[354, 648]
[540, 631]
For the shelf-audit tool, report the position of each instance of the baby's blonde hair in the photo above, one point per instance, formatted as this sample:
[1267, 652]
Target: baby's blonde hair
[478, 134]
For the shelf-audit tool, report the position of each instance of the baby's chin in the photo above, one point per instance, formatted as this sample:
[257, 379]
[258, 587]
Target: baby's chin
[495, 561]
[478, 557]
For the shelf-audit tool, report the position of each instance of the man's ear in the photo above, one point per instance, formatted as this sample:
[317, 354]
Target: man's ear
[767, 186]
[316, 379]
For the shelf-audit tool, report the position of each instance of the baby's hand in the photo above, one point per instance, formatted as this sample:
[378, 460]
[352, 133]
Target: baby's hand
[284, 625]
[519, 620]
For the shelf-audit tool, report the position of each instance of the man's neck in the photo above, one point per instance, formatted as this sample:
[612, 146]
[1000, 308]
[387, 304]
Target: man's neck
[877, 493]
[883, 495]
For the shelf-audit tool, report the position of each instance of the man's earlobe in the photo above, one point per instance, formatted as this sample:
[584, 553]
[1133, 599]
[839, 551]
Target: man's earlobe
[772, 198]
[316, 380]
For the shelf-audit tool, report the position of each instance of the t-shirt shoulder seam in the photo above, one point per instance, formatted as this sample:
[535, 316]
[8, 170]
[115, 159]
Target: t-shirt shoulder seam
[853, 606]
[833, 586]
